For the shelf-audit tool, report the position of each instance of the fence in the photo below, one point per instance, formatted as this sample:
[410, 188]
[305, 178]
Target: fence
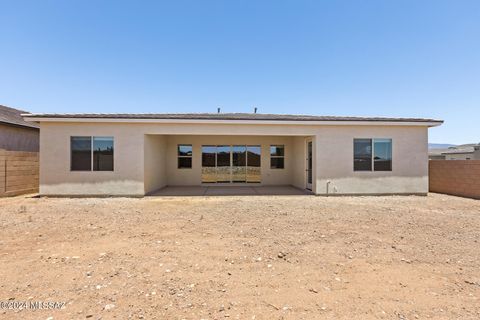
[455, 177]
[18, 172]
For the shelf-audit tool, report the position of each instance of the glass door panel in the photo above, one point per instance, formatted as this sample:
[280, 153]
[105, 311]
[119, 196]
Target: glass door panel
[253, 164]
[309, 165]
[209, 164]
[239, 161]
[223, 164]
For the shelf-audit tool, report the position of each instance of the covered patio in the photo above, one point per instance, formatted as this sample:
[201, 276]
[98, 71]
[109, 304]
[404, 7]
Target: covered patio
[206, 165]
[185, 191]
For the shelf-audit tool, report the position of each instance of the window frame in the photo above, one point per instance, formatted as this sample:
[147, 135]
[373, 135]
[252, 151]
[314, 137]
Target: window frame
[71, 154]
[277, 157]
[91, 154]
[372, 146]
[113, 153]
[378, 140]
[182, 156]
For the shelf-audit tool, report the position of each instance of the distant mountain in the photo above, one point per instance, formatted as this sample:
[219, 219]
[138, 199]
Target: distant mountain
[440, 145]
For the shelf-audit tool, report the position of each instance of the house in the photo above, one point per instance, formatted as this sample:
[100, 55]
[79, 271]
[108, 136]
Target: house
[19, 145]
[464, 152]
[136, 154]
[15, 133]
[436, 154]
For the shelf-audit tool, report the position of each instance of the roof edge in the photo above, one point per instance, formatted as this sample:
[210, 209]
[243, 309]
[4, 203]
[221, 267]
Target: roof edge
[359, 122]
[219, 117]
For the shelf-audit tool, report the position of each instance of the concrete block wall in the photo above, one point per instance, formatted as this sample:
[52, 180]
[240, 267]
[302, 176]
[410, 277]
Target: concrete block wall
[455, 177]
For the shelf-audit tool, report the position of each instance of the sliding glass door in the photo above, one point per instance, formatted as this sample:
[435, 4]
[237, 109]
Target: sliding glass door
[239, 162]
[231, 164]
[223, 164]
[209, 164]
[253, 164]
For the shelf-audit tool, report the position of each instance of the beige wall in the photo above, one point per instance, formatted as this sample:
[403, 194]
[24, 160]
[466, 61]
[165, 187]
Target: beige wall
[155, 166]
[57, 179]
[334, 162]
[176, 177]
[141, 165]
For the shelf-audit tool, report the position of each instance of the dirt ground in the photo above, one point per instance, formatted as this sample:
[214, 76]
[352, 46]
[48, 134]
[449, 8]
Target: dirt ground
[263, 257]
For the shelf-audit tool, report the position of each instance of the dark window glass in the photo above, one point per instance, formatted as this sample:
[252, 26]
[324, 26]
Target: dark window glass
[277, 163]
[239, 162]
[239, 155]
[277, 151]
[223, 164]
[208, 156]
[184, 162]
[362, 154]
[253, 156]
[81, 153]
[208, 164]
[223, 156]
[184, 150]
[277, 157]
[310, 162]
[102, 153]
[383, 154]
[254, 160]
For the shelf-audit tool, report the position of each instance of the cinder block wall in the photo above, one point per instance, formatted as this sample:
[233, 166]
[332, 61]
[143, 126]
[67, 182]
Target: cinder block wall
[18, 172]
[455, 177]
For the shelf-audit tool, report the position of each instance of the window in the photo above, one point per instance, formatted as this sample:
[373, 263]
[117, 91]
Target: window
[102, 153]
[81, 153]
[277, 157]
[381, 149]
[382, 160]
[86, 151]
[184, 156]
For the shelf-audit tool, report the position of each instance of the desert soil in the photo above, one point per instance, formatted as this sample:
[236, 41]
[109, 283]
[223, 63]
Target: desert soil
[263, 257]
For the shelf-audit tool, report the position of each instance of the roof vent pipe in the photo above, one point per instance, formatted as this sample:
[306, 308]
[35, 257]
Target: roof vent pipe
[218, 110]
[255, 110]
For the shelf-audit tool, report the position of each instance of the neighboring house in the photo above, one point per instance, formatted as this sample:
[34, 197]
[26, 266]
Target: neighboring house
[436, 154]
[471, 152]
[136, 154]
[15, 133]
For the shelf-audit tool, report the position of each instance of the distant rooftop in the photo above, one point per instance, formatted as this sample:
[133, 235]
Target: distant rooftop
[470, 148]
[223, 116]
[14, 117]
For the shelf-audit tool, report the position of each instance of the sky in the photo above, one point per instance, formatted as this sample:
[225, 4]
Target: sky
[394, 58]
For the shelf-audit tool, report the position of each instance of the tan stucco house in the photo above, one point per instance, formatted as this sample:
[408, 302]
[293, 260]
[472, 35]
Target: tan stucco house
[137, 154]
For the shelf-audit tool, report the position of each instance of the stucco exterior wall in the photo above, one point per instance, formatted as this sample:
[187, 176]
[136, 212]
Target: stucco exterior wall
[299, 162]
[189, 177]
[334, 162]
[57, 179]
[155, 166]
[15, 138]
[142, 165]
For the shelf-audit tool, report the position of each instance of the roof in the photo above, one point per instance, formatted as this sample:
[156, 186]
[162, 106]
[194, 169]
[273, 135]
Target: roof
[14, 117]
[470, 149]
[222, 116]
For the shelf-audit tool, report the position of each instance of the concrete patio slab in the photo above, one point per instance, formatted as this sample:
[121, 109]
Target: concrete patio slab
[187, 191]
